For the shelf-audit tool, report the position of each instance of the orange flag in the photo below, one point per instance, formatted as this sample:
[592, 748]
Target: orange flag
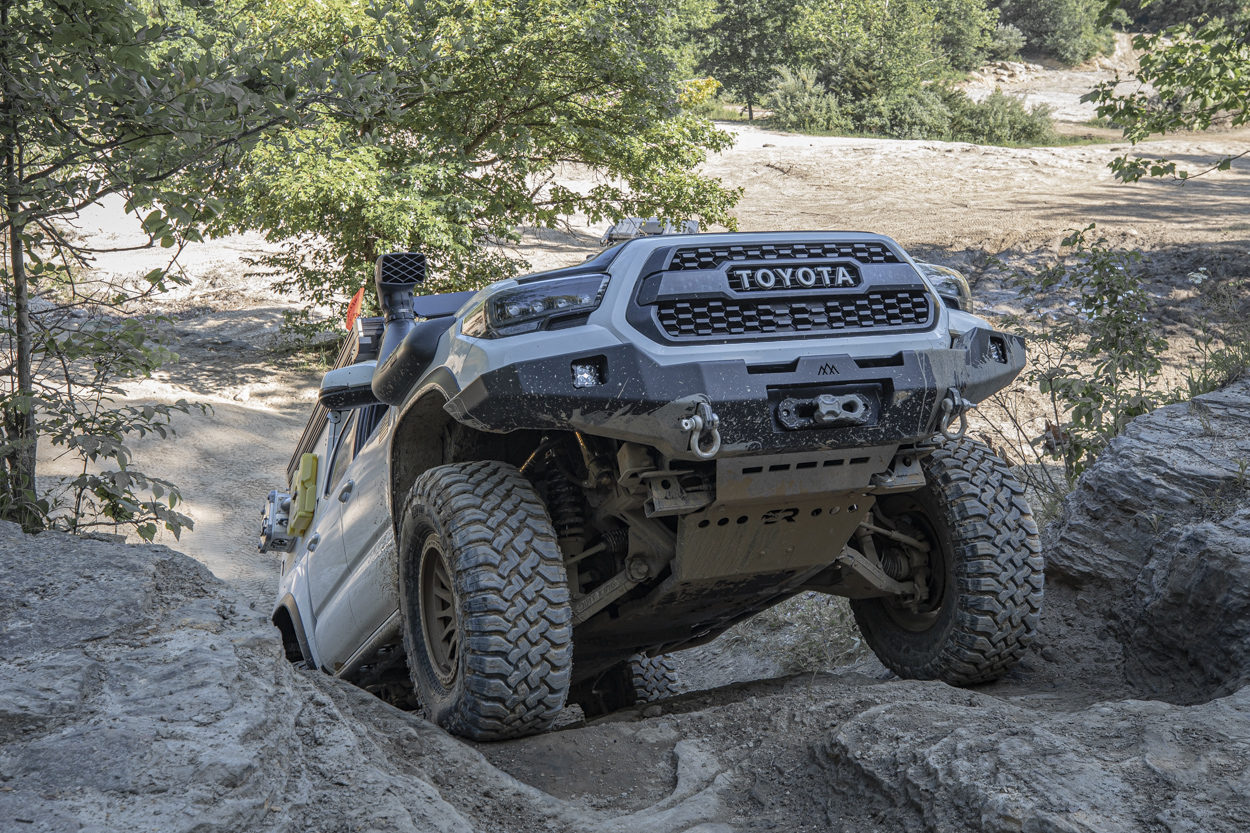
[353, 309]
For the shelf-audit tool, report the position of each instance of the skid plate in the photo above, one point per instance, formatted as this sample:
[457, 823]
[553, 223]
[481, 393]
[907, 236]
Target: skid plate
[782, 534]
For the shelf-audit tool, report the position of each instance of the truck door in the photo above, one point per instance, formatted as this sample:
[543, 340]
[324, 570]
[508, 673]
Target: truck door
[327, 567]
[372, 584]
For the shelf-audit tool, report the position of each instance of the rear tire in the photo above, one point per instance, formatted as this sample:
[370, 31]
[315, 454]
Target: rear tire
[985, 573]
[487, 622]
[640, 679]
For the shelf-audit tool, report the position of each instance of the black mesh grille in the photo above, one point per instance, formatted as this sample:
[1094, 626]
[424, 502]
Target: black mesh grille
[401, 268]
[873, 310]
[710, 257]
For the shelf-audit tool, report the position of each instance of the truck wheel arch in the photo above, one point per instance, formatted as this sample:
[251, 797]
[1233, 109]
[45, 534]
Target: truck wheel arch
[288, 622]
[426, 435]
[417, 441]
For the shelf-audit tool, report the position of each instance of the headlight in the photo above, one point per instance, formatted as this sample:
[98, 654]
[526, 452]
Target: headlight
[536, 306]
[951, 285]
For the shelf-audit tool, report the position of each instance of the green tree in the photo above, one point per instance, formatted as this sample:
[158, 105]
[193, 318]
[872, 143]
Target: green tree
[799, 103]
[1070, 30]
[966, 30]
[1200, 75]
[1174, 12]
[745, 45]
[469, 147]
[690, 18]
[866, 49]
[97, 100]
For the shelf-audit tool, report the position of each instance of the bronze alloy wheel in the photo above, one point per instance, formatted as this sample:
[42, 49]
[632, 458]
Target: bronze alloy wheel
[487, 627]
[438, 612]
[985, 572]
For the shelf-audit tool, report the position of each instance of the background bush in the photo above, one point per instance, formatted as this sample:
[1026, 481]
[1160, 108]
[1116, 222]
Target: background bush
[999, 120]
[799, 103]
[965, 31]
[910, 114]
[1063, 29]
[1006, 44]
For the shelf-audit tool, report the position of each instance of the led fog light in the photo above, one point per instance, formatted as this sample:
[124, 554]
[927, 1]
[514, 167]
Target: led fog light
[588, 373]
[998, 350]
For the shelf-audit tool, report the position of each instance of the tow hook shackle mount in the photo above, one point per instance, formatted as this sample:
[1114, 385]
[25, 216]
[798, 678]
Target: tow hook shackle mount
[704, 430]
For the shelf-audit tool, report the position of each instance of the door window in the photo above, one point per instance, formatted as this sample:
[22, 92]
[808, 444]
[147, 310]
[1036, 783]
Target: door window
[370, 419]
[343, 453]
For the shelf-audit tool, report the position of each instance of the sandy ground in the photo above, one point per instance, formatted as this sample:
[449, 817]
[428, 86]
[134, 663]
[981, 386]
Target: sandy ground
[951, 202]
[1060, 88]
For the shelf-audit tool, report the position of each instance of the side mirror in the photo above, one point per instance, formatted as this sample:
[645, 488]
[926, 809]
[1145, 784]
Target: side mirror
[348, 387]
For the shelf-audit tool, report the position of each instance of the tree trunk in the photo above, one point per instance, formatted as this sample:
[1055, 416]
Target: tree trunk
[750, 111]
[19, 414]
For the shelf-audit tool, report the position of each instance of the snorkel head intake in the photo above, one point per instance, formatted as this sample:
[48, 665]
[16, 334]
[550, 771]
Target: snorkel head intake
[395, 275]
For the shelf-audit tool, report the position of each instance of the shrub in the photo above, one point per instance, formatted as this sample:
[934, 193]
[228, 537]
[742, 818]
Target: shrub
[1101, 366]
[999, 120]
[1006, 43]
[703, 97]
[910, 114]
[1064, 29]
[1221, 353]
[800, 104]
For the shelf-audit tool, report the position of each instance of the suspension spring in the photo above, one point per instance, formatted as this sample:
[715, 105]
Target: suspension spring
[566, 512]
[616, 541]
[895, 563]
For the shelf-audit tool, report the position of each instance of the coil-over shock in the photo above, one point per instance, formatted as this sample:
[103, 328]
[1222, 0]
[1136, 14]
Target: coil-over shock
[565, 505]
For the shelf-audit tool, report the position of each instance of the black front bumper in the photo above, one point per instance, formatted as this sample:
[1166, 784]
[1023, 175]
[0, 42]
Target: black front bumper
[641, 401]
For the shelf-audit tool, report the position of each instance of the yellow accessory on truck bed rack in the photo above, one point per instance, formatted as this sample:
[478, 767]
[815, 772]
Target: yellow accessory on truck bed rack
[304, 504]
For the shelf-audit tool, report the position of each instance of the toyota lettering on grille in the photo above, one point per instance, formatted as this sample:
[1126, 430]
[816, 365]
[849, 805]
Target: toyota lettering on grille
[835, 276]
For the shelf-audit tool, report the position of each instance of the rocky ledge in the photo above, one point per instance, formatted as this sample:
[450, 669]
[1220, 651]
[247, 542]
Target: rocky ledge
[137, 692]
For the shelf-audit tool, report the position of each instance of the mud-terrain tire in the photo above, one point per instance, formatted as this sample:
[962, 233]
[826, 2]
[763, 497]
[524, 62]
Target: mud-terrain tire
[986, 592]
[487, 623]
[640, 679]
[654, 677]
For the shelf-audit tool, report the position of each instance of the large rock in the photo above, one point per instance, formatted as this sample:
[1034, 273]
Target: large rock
[932, 763]
[137, 692]
[1158, 531]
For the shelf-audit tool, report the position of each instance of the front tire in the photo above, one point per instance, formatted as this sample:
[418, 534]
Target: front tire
[985, 573]
[487, 622]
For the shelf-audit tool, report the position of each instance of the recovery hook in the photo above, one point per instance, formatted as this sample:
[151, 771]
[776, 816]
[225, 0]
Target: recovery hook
[954, 407]
[704, 428]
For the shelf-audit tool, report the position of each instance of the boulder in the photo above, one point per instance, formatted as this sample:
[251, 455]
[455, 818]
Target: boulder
[929, 762]
[138, 692]
[1157, 537]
